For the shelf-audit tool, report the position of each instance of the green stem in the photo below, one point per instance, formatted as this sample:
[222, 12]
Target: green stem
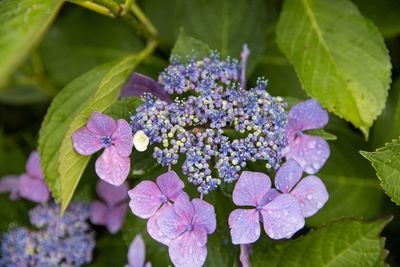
[143, 19]
[127, 5]
[94, 7]
[114, 7]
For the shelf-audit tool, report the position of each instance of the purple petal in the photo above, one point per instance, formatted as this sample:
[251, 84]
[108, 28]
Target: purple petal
[204, 215]
[145, 199]
[311, 152]
[282, 217]
[33, 167]
[9, 183]
[33, 189]
[288, 175]
[111, 167]
[312, 195]
[245, 226]
[250, 188]
[85, 142]
[244, 55]
[137, 252]
[306, 115]
[268, 197]
[98, 213]
[155, 231]
[148, 264]
[170, 223]
[201, 235]
[116, 217]
[245, 255]
[111, 194]
[122, 138]
[101, 124]
[170, 185]
[139, 84]
[184, 208]
[184, 251]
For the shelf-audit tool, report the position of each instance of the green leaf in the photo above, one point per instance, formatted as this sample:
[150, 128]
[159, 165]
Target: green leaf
[186, 45]
[64, 108]
[22, 24]
[123, 108]
[386, 161]
[23, 95]
[339, 56]
[342, 243]
[322, 133]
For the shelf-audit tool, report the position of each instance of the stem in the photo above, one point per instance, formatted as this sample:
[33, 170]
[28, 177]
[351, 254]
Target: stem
[95, 7]
[127, 5]
[114, 7]
[201, 196]
[143, 19]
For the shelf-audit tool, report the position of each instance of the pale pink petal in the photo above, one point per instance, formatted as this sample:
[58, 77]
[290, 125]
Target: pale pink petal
[111, 194]
[204, 215]
[9, 183]
[245, 226]
[250, 188]
[98, 213]
[306, 115]
[122, 138]
[170, 223]
[184, 208]
[101, 124]
[115, 218]
[245, 255]
[33, 189]
[282, 217]
[145, 199]
[311, 152]
[201, 235]
[312, 195]
[85, 142]
[148, 264]
[155, 231]
[288, 175]
[184, 251]
[111, 167]
[170, 185]
[33, 166]
[137, 252]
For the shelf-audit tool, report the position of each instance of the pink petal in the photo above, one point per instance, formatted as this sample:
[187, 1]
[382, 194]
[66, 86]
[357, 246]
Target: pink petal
[184, 251]
[155, 231]
[85, 142]
[311, 152]
[269, 196]
[170, 185]
[137, 252]
[122, 138]
[111, 194]
[9, 183]
[33, 189]
[170, 223]
[111, 167]
[98, 213]
[145, 199]
[250, 188]
[245, 255]
[282, 217]
[184, 208]
[245, 226]
[201, 235]
[115, 218]
[312, 194]
[33, 167]
[288, 175]
[204, 215]
[148, 264]
[306, 115]
[101, 124]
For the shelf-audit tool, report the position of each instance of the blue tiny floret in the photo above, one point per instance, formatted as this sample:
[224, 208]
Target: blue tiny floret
[106, 141]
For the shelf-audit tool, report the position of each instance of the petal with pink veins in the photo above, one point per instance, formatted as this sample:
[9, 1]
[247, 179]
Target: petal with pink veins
[269, 196]
[245, 226]
[184, 208]
[86, 142]
[155, 231]
[33, 189]
[122, 138]
[101, 124]
[250, 188]
[184, 251]
[111, 194]
[111, 167]
[204, 215]
[288, 175]
[170, 185]
[171, 224]
[145, 199]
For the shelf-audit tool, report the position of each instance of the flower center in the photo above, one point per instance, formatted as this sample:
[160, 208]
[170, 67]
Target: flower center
[164, 199]
[106, 141]
[297, 134]
[189, 228]
[259, 207]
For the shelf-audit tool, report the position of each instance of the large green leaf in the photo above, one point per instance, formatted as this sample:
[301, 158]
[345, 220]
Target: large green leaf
[65, 106]
[339, 56]
[386, 161]
[22, 23]
[343, 243]
[186, 45]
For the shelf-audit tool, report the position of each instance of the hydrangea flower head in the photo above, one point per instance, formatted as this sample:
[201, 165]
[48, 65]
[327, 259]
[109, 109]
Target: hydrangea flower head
[311, 152]
[115, 137]
[280, 213]
[137, 253]
[111, 211]
[18, 248]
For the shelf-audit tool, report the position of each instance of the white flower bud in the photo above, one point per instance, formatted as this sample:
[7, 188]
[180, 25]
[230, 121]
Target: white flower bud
[140, 141]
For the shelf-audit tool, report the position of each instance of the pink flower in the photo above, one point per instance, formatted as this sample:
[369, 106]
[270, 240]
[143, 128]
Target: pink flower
[29, 185]
[101, 131]
[111, 211]
[187, 224]
[137, 253]
[148, 199]
[280, 213]
[311, 152]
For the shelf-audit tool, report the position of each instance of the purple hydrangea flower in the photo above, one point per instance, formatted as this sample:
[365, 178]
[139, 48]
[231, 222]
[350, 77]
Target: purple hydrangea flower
[311, 152]
[29, 185]
[17, 248]
[137, 253]
[310, 191]
[244, 258]
[148, 199]
[187, 223]
[111, 211]
[280, 213]
[102, 131]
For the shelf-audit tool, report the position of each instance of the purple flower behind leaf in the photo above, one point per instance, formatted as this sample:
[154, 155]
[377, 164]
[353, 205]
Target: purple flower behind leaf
[310, 191]
[187, 223]
[280, 213]
[311, 152]
[137, 253]
[102, 131]
[111, 211]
